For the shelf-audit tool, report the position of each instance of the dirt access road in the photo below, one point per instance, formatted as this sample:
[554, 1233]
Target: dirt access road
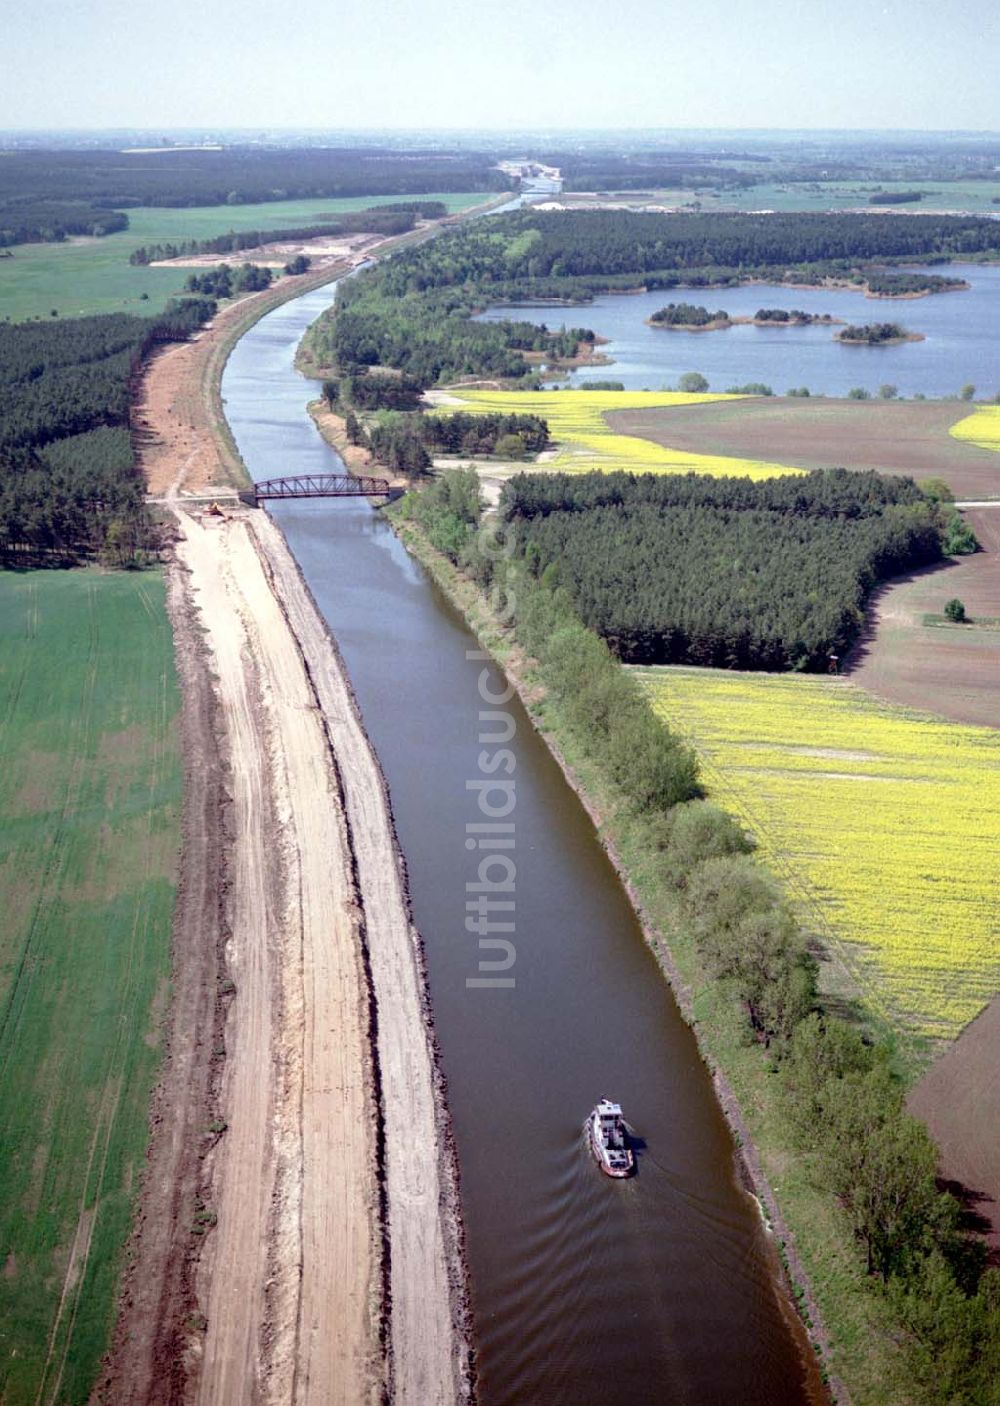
[298, 1234]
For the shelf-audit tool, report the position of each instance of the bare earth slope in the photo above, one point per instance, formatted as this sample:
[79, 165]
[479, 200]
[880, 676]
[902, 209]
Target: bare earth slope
[300, 1168]
[289, 1279]
[429, 1357]
[893, 436]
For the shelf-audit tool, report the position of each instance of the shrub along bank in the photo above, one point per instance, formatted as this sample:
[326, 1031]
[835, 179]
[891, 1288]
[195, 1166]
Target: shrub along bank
[403, 438]
[913, 1314]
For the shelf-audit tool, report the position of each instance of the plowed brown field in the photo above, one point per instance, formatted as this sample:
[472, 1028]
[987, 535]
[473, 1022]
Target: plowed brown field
[893, 436]
[951, 670]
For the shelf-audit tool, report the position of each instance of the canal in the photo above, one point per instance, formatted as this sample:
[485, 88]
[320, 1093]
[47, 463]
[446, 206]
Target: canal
[585, 1291]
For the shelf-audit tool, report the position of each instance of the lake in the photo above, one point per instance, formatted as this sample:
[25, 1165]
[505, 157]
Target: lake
[961, 343]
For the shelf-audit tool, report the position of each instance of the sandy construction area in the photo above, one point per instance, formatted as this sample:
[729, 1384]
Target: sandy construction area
[429, 1354]
[290, 1277]
[299, 1232]
[329, 1266]
[323, 249]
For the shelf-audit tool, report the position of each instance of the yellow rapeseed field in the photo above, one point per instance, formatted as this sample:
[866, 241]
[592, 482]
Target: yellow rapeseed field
[884, 824]
[982, 427]
[586, 442]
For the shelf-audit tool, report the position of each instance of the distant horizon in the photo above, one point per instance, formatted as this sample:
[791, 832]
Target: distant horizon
[475, 127]
[891, 65]
[542, 128]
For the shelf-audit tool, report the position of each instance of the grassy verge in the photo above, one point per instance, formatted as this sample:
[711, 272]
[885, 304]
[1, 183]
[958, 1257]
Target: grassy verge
[844, 1313]
[83, 276]
[91, 791]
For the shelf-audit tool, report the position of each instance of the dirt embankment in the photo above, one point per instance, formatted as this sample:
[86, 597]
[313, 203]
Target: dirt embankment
[257, 1267]
[357, 459]
[298, 1236]
[430, 1360]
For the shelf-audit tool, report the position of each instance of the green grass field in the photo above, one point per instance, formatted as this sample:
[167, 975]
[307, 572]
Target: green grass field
[94, 275]
[90, 792]
[974, 197]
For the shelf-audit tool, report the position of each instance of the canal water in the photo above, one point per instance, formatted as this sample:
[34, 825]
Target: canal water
[658, 1290]
[960, 345]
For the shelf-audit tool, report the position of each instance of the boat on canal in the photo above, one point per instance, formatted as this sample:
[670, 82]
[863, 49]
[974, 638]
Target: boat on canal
[609, 1140]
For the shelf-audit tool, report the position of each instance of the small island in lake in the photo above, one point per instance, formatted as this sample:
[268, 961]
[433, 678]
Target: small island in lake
[687, 317]
[911, 285]
[790, 317]
[877, 334]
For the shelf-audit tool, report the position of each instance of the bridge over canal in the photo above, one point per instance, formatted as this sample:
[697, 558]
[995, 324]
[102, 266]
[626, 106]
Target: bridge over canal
[322, 486]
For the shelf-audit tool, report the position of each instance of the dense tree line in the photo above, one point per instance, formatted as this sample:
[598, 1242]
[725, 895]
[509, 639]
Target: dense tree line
[368, 390]
[722, 572]
[405, 440]
[224, 282]
[397, 218]
[30, 221]
[406, 443]
[68, 484]
[534, 244]
[896, 197]
[431, 337]
[464, 433]
[648, 170]
[394, 442]
[847, 1113]
[239, 175]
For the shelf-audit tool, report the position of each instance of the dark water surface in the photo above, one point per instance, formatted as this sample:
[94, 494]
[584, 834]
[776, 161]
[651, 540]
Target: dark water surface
[960, 329]
[586, 1291]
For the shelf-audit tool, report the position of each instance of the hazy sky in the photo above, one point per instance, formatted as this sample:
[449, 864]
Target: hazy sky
[503, 63]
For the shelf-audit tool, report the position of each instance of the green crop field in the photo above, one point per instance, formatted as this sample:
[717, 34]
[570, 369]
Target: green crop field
[971, 197]
[974, 197]
[83, 276]
[90, 792]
